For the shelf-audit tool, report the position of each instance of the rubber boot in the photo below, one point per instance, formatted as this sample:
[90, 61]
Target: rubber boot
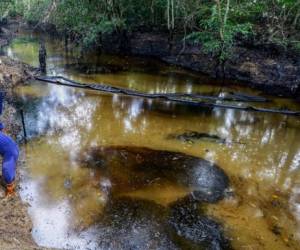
[10, 189]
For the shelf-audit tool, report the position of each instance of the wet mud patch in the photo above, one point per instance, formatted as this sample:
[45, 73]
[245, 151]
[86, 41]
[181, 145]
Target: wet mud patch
[127, 221]
[191, 229]
[134, 224]
[130, 168]
[139, 224]
[13, 73]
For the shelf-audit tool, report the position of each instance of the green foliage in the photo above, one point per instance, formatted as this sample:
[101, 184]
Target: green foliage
[270, 21]
[296, 45]
[5, 6]
[214, 23]
[212, 43]
[219, 30]
[36, 11]
[104, 26]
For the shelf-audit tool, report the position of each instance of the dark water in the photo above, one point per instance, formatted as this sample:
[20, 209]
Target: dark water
[81, 199]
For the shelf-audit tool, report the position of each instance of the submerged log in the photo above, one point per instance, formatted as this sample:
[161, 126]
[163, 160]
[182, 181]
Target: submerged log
[188, 99]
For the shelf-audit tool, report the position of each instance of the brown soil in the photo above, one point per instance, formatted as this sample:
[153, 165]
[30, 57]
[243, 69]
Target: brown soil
[15, 223]
[13, 73]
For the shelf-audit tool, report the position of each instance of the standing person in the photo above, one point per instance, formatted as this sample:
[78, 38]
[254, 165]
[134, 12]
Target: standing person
[10, 152]
[43, 57]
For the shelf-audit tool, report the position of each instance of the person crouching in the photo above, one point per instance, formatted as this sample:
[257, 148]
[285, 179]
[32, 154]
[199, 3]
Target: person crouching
[9, 151]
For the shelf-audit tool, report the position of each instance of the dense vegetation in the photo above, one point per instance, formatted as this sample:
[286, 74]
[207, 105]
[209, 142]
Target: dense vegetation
[217, 24]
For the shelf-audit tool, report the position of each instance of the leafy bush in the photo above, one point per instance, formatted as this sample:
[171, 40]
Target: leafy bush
[214, 23]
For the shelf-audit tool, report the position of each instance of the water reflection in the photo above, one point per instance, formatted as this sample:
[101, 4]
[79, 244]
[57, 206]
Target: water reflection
[73, 121]
[53, 220]
[262, 156]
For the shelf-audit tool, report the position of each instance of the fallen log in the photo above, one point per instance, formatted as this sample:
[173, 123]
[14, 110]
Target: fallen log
[173, 97]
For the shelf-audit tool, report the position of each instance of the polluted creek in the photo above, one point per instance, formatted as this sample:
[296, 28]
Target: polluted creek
[108, 171]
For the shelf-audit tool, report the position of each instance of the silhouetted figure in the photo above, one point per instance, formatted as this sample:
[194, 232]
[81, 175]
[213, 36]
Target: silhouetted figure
[43, 57]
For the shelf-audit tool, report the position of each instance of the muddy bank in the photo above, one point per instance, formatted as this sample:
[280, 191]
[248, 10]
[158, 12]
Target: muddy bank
[15, 224]
[8, 29]
[268, 69]
[13, 73]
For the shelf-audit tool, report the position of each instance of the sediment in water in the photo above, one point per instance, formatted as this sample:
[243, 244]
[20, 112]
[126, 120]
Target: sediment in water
[141, 224]
[207, 181]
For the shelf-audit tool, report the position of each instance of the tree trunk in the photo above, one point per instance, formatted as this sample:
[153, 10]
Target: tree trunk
[168, 14]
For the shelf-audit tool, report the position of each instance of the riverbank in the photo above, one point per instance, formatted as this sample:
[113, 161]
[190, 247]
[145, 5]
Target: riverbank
[15, 223]
[266, 68]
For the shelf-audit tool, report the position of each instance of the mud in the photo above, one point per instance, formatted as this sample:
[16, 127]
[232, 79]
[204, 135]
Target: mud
[134, 224]
[138, 224]
[207, 181]
[15, 224]
[13, 73]
[192, 229]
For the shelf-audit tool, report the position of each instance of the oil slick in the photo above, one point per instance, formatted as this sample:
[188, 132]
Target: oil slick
[194, 136]
[143, 166]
